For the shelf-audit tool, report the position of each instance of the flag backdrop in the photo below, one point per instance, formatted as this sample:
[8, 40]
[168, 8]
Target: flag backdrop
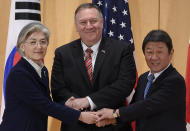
[117, 23]
[187, 81]
[22, 12]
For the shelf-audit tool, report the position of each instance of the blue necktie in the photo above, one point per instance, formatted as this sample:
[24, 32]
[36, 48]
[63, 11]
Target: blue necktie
[150, 79]
[43, 73]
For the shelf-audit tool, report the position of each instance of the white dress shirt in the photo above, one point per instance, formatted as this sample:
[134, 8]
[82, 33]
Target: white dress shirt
[95, 48]
[158, 73]
[36, 66]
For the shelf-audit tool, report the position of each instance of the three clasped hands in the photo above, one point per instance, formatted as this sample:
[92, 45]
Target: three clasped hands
[101, 117]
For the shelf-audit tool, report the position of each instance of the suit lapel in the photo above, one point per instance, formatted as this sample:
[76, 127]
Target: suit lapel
[160, 78]
[143, 83]
[78, 55]
[34, 74]
[102, 52]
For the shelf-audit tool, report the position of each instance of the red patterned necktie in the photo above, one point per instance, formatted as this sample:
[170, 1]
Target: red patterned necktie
[88, 63]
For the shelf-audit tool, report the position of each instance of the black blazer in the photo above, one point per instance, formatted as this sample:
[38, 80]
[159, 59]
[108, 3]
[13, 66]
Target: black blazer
[164, 108]
[113, 77]
[28, 101]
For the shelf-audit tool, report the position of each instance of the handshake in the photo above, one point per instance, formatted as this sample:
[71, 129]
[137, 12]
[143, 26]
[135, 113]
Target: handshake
[101, 118]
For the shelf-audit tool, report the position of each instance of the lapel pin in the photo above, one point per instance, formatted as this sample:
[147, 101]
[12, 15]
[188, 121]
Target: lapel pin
[103, 51]
[44, 73]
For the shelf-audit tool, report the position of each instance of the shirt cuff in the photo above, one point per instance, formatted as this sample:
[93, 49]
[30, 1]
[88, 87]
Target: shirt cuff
[92, 105]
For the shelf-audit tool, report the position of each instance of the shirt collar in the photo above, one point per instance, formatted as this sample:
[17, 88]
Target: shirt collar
[156, 75]
[35, 66]
[94, 47]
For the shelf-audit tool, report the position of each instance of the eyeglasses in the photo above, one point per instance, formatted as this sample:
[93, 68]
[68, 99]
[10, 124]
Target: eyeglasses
[35, 43]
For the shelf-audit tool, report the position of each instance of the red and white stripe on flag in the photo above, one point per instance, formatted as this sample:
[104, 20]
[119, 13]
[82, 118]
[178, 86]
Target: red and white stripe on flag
[187, 81]
[22, 12]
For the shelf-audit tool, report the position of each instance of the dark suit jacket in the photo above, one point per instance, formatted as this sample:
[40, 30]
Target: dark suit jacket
[28, 101]
[113, 77]
[163, 109]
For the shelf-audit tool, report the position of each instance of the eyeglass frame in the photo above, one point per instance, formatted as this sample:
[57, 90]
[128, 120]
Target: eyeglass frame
[35, 43]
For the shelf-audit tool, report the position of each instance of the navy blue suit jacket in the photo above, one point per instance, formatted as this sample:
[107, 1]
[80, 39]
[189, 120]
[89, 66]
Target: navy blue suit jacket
[164, 107]
[28, 101]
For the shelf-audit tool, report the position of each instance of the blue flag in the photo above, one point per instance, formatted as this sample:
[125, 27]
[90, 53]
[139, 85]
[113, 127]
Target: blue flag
[117, 23]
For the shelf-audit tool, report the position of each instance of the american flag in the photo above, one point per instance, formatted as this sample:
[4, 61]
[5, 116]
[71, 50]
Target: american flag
[117, 24]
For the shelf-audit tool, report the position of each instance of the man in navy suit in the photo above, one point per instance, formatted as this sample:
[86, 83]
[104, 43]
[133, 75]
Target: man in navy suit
[112, 72]
[161, 105]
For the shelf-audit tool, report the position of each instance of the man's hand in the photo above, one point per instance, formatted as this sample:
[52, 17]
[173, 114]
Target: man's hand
[106, 122]
[105, 117]
[88, 117]
[105, 113]
[81, 103]
[69, 102]
[77, 103]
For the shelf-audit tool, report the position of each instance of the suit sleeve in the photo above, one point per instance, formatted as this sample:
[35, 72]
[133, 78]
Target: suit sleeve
[116, 91]
[26, 89]
[60, 92]
[171, 94]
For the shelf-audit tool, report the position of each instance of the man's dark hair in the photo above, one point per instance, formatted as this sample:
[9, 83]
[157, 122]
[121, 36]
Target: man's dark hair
[88, 6]
[158, 36]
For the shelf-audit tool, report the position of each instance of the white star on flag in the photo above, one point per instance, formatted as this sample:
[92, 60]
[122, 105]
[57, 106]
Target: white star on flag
[113, 21]
[121, 37]
[114, 9]
[126, 1]
[123, 25]
[111, 33]
[99, 3]
[124, 12]
[131, 40]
